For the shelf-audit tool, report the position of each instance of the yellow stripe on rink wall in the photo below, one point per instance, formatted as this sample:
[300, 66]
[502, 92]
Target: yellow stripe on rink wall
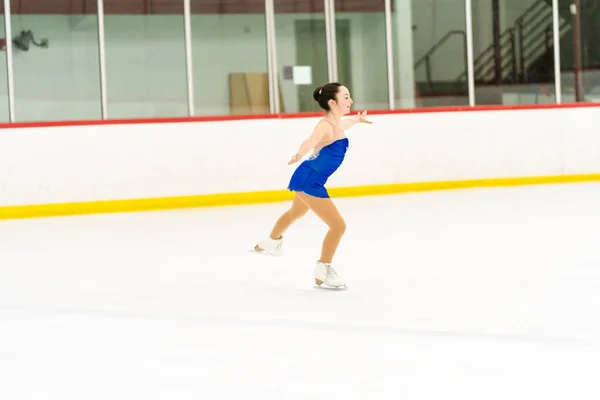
[229, 199]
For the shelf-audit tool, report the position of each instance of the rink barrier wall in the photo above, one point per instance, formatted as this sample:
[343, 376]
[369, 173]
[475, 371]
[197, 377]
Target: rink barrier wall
[181, 202]
[86, 167]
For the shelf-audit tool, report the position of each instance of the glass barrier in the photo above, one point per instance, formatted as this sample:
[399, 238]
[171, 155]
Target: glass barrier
[4, 113]
[229, 58]
[513, 52]
[56, 58]
[579, 51]
[55, 61]
[301, 47]
[439, 50]
[145, 59]
[361, 52]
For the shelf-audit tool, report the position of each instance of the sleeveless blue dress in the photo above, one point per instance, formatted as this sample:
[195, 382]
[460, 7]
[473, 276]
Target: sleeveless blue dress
[310, 176]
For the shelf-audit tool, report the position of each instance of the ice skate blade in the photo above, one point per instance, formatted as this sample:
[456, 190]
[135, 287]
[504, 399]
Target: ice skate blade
[332, 288]
[262, 252]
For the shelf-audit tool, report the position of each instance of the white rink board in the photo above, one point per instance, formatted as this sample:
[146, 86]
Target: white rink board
[111, 162]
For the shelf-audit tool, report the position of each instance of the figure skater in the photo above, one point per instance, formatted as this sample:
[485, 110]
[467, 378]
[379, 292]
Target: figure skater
[329, 145]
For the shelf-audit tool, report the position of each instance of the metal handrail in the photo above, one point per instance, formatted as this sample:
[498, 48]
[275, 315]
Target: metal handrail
[527, 31]
[530, 10]
[438, 44]
[426, 58]
[530, 14]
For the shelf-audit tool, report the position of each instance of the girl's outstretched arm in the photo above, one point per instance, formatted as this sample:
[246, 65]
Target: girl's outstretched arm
[322, 129]
[350, 122]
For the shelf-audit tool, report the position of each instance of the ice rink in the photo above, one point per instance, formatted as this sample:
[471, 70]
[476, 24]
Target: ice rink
[475, 294]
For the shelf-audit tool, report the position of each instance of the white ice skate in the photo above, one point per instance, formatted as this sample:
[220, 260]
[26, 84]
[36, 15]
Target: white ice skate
[325, 274]
[272, 246]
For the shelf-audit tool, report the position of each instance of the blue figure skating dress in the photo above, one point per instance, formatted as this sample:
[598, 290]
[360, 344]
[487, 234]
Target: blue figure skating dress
[310, 176]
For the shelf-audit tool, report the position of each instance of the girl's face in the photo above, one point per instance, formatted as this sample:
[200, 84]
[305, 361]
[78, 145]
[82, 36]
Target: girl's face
[344, 101]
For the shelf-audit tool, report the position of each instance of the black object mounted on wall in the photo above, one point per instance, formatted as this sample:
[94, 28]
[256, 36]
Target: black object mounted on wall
[25, 38]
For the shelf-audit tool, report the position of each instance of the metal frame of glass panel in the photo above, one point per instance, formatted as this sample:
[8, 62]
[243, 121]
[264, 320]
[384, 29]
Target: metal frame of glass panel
[187, 22]
[272, 70]
[389, 54]
[329, 8]
[102, 60]
[9, 62]
[556, 36]
[470, 62]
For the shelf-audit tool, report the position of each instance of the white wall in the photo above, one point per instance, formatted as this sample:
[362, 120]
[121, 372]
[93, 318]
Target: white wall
[146, 59]
[83, 163]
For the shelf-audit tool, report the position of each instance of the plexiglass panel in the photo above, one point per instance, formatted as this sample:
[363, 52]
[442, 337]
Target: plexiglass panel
[55, 60]
[145, 59]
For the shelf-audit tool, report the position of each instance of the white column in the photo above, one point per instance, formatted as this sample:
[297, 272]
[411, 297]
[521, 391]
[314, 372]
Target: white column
[187, 29]
[9, 61]
[470, 72]
[330, 32]
[272, 65]
[389, 53]
[102, 58]
[403, 44]
[556, 34]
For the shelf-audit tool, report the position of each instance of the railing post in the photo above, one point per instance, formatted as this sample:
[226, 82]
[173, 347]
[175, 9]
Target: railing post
[497, 42]
[576, 20]
[521, 52]
[428, 72]
[466, 56]
[513, 52]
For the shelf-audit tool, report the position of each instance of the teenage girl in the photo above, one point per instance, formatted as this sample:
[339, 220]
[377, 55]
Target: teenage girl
[329, 145]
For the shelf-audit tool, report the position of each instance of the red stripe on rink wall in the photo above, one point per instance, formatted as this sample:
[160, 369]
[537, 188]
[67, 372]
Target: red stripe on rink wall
[216, 118]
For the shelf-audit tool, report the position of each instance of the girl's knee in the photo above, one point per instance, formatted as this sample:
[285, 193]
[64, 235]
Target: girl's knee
[339, 226]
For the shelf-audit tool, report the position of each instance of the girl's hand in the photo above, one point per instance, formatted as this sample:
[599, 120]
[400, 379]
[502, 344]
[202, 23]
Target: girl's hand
[362, 117]
[295, 158]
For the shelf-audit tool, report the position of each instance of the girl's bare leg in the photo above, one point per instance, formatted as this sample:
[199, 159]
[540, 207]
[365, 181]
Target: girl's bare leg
[296, 211]
[325, 209]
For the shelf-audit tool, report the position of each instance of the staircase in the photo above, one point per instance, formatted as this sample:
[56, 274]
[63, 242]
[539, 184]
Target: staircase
[526, 48]
[521, 46]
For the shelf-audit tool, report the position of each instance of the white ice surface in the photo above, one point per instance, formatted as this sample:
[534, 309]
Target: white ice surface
[472, 294]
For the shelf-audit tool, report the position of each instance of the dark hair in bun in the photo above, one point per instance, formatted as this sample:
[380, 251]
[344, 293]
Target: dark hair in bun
[324, 93]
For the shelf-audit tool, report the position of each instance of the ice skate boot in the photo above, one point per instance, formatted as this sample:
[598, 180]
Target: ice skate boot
[325, 274]
[272, 246]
